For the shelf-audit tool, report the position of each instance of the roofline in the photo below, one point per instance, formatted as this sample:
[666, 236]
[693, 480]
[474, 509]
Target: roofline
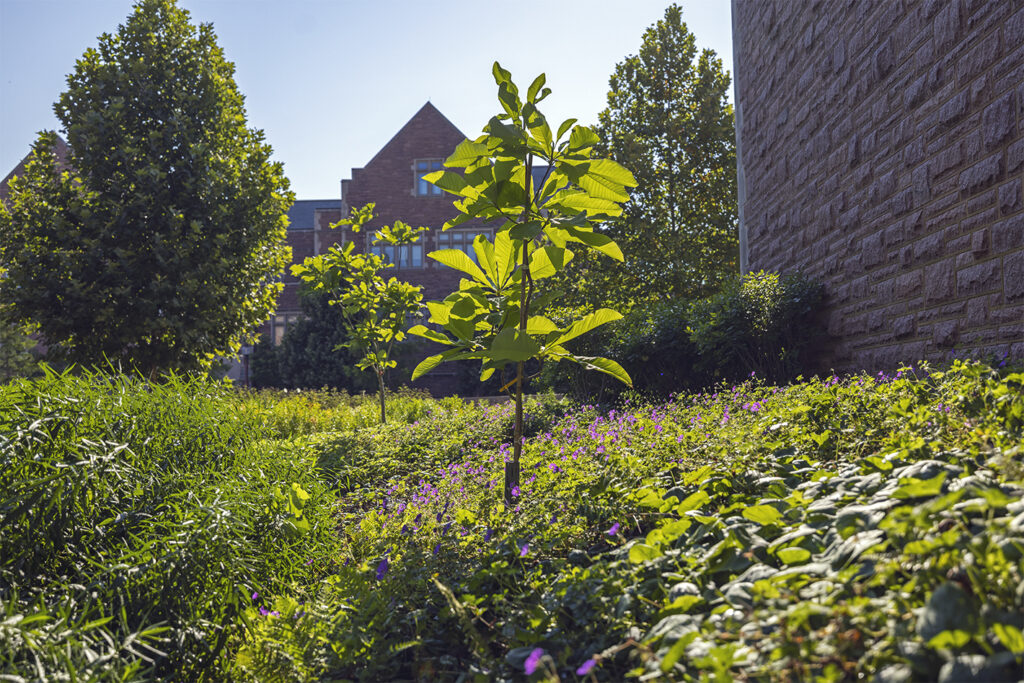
[428, 103]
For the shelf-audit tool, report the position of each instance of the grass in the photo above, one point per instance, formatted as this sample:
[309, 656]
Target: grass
[834, 529]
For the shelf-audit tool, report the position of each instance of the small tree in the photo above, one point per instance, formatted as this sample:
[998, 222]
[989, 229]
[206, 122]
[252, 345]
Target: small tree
[494, 316]
[375, 310]
[161, 247]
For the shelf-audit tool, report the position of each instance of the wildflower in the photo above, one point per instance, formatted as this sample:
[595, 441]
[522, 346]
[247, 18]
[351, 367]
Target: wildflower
[437, 548]
[255, 596]
[532, 660]
[487, 536]
[585, 667]
[524, 551]
[515, 491]
[382, 568]
[614, 529]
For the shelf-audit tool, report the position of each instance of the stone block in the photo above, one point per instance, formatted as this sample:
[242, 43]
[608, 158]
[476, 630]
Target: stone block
[983, 55]
[997, 121]
[949, 158]
[977, 311]
[948, 24]
[1015, 156]
[954, 109]
[1013, 29]
[940, 280]
[1008, 234]
[871, 250]
[1013, 277]
[1010, 197]
[929, 247]
[977, 279]
[982, 175]
[979, 242]
[944, 333]
[908, 284]
[903, 326]
[883, 59]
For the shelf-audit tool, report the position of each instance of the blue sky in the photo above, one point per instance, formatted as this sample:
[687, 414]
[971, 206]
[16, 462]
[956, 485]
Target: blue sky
[330, 81]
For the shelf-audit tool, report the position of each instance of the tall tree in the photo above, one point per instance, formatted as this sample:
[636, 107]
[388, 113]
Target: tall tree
[668, 120]
[161, 248]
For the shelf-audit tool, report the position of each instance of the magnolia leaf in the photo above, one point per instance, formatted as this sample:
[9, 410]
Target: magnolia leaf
[457, 259]
[584, 201]
[466, 153]
[440, 312]
[504, 256]
[512, 345]
[607, 366]
[538, 324]
[432, 335]
[692, 502]
[425, 366]
[547, 261]
[589, 322]
[484, 251]
[582, 138]
[566, 125]
[451, 182]
[595, 240]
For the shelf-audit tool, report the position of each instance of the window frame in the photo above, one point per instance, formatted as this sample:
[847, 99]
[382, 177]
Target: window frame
[432, 164]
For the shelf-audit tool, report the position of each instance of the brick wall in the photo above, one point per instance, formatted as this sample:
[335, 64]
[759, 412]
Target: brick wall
[882, 153]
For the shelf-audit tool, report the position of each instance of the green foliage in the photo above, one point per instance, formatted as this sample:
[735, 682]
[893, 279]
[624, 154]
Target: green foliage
[494, 317]
[374, 310]
[762, 322]
[137, 520]
[755, 533]
[16, 351]
[669, 120]
[312, 353]
[160, 248]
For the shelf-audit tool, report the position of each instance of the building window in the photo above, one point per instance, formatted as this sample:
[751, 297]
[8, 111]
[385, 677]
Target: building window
[422, 167]
[460, 239]
[411, 255]
[279, 324]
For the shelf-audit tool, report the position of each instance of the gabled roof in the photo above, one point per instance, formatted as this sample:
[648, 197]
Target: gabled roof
[63, 153]
[427, 116]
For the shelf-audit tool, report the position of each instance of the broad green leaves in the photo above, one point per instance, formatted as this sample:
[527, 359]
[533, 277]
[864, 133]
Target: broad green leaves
[538, 223]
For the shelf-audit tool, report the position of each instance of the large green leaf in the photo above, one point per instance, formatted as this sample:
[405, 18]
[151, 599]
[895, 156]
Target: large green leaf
[607, 366]
[427, 333]
[512, 345]
[452, 182]
[425, 366]
[457, 259]
[596, 240]
[584, 201]
[466, 153]
[547, 261]
[484, 250]
[589, 322]
[538, 324]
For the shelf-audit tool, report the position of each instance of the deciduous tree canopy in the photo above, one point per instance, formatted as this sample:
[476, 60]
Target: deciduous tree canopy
[161, 248]
[668, 120]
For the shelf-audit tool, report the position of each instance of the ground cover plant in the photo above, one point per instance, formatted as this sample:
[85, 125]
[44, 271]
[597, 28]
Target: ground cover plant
[834, 529]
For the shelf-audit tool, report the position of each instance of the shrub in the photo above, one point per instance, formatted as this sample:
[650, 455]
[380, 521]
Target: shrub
[762, 322]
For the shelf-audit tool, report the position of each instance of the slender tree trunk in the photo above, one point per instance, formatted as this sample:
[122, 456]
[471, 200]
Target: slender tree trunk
[380, 387]
[512, 468]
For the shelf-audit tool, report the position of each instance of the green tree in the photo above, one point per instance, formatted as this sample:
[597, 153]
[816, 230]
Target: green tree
[16, 356]
[161, 248]
[668, 119]
[494, 317]
[374, 310]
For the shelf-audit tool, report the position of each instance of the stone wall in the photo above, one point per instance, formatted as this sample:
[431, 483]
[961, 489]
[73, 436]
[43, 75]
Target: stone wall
[882, 153]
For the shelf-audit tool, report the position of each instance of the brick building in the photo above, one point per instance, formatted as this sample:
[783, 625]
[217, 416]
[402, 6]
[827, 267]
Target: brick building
[881, 151]
[392, 180]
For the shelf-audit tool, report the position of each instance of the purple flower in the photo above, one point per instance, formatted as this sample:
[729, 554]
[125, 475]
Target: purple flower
[532, 660]
[613, 530]
[585, 667]
[487, 536]
[255, 595]
[382, 568]
[437, 548]
[524, 550]
[515, 491]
